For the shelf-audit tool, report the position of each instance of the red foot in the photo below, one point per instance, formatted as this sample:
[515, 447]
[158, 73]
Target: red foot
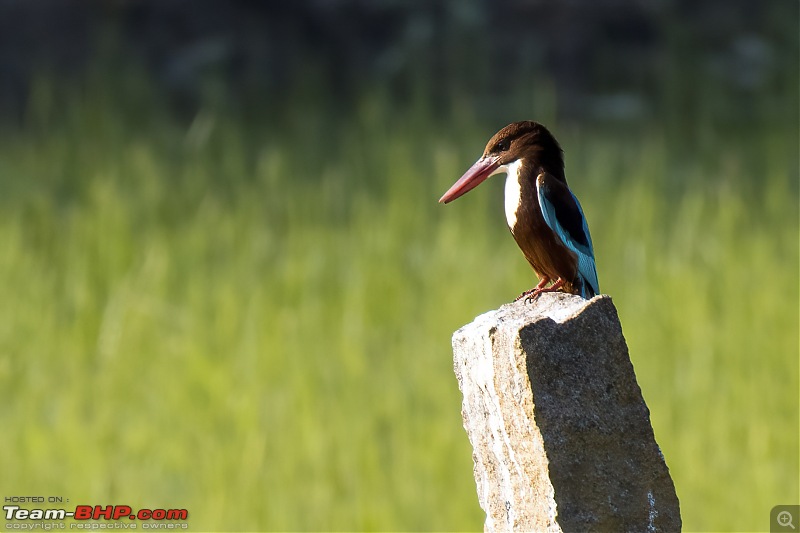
[542, 284]
[532, 294]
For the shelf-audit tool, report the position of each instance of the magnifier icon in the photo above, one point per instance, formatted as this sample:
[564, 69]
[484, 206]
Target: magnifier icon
[785, 519]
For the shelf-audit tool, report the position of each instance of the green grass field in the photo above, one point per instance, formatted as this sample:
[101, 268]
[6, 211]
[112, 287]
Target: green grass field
[253, 321]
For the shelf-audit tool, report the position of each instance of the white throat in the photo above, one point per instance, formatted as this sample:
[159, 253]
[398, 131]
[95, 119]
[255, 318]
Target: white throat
[513, 191]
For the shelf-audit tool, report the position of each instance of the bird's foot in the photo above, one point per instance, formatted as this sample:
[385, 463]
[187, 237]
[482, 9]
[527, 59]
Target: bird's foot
[529, 295]
[534, 293]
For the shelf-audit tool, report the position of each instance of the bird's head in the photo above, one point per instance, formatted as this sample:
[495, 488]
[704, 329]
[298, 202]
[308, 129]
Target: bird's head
[527, 141]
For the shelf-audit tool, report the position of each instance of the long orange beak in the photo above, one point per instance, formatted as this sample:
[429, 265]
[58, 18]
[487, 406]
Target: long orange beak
[473, 177]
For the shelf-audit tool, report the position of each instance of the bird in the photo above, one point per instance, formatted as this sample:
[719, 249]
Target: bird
[544, 216]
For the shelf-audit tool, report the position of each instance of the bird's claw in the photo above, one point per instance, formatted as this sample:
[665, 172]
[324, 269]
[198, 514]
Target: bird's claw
[529, 295]
[532, 294]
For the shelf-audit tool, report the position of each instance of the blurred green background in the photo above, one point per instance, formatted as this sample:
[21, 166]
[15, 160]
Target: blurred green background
[228, 286]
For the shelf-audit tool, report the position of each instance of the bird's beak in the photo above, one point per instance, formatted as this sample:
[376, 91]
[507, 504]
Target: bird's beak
[477, 173]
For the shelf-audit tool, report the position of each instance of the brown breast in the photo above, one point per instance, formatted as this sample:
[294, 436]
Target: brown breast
[548, 256]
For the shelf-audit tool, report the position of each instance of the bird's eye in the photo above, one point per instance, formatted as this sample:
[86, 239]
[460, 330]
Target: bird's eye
[502, 145]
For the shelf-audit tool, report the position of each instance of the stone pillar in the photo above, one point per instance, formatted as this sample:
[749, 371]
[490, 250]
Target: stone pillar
[561, 435]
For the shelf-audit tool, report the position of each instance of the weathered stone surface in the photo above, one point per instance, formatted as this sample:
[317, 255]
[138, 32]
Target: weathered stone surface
[561, 434]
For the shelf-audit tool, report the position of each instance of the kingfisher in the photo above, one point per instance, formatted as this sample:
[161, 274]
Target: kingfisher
[544, 217]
